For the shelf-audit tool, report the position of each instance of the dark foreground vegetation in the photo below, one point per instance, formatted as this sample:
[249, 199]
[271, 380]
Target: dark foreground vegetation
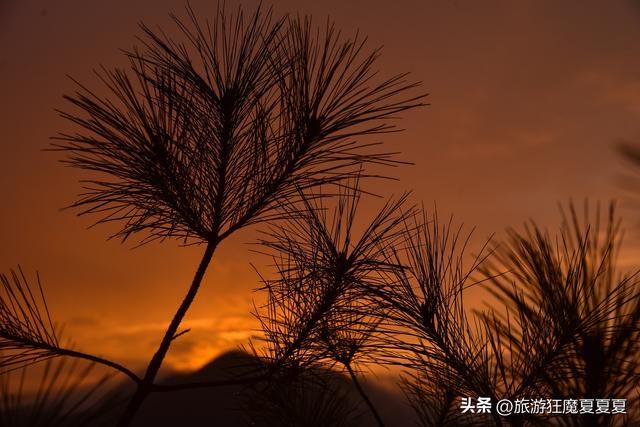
[251, 120]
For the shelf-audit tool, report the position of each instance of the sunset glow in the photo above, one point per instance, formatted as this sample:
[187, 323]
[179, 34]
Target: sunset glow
[527, 101]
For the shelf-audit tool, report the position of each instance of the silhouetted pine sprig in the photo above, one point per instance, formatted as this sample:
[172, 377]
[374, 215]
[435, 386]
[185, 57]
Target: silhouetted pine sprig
[61, 398]
[573, 321]
[227, 128]
[27, 334]
[427, 328]
[317, 312]
[568, 326]
[323, 271]
[436, 404]
[308, 399]
[203, 137]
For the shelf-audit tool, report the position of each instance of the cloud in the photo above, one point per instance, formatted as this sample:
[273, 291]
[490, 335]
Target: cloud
[84, 321]
[207, 338]
[614, 89]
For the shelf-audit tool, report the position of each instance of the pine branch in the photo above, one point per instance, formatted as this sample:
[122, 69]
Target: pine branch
[27, 333]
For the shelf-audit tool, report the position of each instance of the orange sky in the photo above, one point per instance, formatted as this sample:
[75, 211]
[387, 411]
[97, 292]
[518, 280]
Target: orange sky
[527, 99]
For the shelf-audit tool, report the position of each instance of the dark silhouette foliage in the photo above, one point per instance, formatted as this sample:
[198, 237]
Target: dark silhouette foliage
[27, 334]
[576, 319]
[318, 312]
[311, 398]
[251, 119]
[204, 136]
[229, 127]
[567, 327]
[60, 399]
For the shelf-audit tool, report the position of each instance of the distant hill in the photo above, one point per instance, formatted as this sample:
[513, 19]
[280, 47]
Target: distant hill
[230, 406]
[322, 398]
[315, 398]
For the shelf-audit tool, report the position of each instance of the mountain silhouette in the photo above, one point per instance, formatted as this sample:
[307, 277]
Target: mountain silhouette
[316, 398]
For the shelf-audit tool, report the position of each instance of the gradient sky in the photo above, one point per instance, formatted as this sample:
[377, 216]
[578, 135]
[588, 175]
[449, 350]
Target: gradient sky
[527, 100]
